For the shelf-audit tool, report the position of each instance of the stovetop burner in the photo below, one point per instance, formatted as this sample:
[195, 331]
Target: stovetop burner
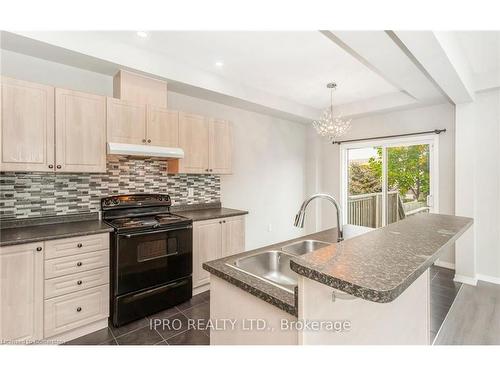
[140, 211]
[128, 222]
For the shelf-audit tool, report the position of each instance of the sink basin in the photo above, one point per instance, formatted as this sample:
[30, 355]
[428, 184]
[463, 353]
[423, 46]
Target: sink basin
[272, 266]
[304, 247]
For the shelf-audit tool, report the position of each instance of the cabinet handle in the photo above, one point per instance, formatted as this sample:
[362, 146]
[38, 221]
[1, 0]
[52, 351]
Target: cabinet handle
[149, 140]
[79, 264]
[78, 309]
[58, 166]
[211, 170]
[51, 166]
[223, 221]
[206, 170]
[143, 141]
[79, 282]
[220, 222]
[79, 245]
[39, 248]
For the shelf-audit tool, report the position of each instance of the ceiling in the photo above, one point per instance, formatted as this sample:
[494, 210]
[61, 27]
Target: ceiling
[293, 65]
[482, 50]
[284, 73]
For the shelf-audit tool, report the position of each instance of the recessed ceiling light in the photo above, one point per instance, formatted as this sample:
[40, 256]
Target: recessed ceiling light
[219, 64]
[142, 34]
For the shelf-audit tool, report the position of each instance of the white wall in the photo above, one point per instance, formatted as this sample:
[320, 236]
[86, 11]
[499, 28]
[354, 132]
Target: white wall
[478, 186]
[269, 167]
[269, 157]
[399, 122]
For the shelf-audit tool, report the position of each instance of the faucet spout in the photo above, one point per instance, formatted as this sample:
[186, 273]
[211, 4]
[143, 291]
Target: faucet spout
[301, 215]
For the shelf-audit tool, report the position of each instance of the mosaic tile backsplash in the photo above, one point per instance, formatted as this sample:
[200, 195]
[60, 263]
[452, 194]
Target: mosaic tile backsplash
[25, 195]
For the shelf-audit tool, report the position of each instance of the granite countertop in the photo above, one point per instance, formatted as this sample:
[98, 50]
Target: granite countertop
[209, 213]
[18, 231]
[16, 235]
[376, 265]
[279, 297]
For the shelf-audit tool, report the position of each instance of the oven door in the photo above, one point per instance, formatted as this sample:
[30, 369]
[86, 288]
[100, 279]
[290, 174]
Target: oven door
[146, 259]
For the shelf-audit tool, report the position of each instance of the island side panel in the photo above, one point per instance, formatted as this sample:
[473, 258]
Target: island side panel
[406, 320]
[228, 302]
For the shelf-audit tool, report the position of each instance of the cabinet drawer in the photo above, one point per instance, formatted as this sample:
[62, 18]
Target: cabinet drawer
[76, 245]
[76, 309]
[74, 283]
[76, 263]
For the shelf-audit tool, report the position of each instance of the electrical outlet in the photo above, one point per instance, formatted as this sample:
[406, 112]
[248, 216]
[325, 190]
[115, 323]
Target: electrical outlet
[190, 192]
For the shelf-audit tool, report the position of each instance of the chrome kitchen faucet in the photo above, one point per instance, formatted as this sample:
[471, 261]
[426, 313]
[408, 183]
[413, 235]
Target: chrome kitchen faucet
[301, 215]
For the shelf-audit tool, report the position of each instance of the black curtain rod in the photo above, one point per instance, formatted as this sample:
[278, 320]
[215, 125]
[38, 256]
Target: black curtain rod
[435, 131]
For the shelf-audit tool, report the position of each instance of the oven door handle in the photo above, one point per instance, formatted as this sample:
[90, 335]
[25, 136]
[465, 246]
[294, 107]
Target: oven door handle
[131, 235]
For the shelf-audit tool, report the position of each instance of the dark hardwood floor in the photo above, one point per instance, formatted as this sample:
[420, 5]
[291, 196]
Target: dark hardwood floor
[142, 332]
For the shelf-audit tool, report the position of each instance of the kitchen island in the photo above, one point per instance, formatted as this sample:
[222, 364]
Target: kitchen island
[374, 285]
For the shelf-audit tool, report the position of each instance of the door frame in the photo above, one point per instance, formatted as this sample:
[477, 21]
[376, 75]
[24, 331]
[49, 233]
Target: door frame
[432, 140]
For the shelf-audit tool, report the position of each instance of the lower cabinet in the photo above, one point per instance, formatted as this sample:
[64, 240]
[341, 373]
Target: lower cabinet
[213, 239]
[76, 309]
[51, 288]
[21, 293]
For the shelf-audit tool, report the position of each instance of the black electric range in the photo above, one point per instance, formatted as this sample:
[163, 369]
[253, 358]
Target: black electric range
[151, 255]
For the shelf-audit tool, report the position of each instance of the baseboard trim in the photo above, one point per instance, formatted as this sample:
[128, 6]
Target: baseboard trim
[465, 279]
[489, 279]
[201, 289]
[441, 263]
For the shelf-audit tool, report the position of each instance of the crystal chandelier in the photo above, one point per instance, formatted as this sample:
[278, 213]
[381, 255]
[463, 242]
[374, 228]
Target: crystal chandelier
[329, 125]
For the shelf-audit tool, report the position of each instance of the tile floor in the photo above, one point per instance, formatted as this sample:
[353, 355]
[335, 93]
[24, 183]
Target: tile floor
[443, 292]
[140, 332]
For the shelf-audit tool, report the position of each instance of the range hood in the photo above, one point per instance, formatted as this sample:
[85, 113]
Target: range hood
[145, 150]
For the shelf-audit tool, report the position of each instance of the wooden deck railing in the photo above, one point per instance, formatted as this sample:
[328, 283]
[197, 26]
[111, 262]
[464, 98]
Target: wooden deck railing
[366, 209]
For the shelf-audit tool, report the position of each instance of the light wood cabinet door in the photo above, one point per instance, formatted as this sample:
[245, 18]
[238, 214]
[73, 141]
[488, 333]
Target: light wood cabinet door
[21, 292]
[162, 127]
[140, 89]
[80, 132]
[193, 139]
[207, 245]
[233, 235]
[26, 126]
[75, 310]
[126, 122]
[220, 146]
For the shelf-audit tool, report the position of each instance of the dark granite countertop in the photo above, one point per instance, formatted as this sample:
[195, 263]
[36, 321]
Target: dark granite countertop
[270, 293]
[376, 265]
[51, 231]
[209, 213]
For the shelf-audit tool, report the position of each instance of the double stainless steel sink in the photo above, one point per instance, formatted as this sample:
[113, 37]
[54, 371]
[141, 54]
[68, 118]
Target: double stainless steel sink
[273, 265]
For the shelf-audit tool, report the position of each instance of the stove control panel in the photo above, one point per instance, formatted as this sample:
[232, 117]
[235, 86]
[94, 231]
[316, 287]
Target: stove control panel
[135, 200]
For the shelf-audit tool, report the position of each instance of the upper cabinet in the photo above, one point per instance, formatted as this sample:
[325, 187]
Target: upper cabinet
[207, 145]
[140, 89]
[162, 127]
[26, 126]
[45, 129]
[220, 146]
[126, 122]
[80, 132]
[193, 139]
[134, 123]
[138, 112]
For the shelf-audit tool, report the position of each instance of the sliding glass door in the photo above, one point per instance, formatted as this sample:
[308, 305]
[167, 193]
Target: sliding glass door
[387, 181]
